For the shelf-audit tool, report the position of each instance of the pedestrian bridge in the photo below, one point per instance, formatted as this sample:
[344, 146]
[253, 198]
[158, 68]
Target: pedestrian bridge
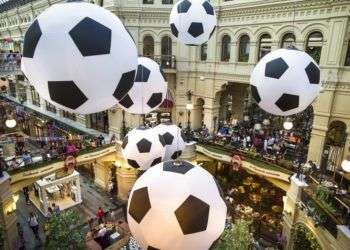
[276, 174]
[25, 176]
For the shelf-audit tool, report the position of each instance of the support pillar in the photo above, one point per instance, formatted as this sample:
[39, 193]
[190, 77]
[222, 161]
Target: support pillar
[8, 216]
[126, 177]
[253, 56]
[211, 115]
[290, 209]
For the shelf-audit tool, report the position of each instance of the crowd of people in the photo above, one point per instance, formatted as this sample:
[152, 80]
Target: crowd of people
[28, 151]
[10, 58]
[264, 140]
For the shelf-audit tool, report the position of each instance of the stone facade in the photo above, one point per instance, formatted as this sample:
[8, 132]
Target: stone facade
[209, 79]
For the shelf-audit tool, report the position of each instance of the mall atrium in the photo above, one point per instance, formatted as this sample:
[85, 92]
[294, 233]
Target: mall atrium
[175, 125]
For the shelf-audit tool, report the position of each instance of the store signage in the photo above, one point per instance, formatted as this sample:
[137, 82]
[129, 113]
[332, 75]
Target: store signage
[266, 172]
[236, 162]
[217, 156]
[69, 166]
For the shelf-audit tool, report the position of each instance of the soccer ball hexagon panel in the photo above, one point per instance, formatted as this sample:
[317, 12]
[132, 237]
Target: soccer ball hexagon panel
[285, 82]
[176, 205]
[192, 21]
[149, 89]
[142, 148]
[79, 57]
[174, 140]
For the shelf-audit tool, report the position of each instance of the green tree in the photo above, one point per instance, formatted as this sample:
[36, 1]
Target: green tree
[303, 238]
[64, 232]
[236, 237]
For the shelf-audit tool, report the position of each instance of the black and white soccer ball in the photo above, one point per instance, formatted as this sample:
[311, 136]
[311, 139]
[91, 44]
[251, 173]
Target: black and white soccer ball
[142, 148]
[192, 21]
[149, 90]
[79, 57]
[176, 205]
[174, 140]
[285, 82]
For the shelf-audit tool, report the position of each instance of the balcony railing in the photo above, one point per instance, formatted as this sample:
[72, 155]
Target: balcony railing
[165, 61]
[10, 63]
[321, 213]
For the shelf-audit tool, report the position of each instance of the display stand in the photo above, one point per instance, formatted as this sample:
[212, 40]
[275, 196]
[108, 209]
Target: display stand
[64, 192]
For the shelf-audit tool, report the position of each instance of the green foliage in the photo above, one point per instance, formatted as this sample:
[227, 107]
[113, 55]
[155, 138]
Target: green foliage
[304, 239]
[236, 237]
[64, 232]
[324, 195]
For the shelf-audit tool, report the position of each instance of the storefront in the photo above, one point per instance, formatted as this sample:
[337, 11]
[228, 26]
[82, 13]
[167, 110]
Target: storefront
[63, 191]
[163, 114]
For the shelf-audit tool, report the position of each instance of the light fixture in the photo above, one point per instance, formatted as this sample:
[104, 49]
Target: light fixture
[346, 165]
[266, 122]
[246, 118]
[288, 124]
[10, 123]
[189, 106]
[257, 126]
[234, 122]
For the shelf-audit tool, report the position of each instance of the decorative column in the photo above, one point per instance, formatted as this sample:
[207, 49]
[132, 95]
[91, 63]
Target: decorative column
[29, 95]
[290, 209]
[126, 177]
[233, 52]
[253, 55]
[78, 194]
[209, 117]
[8, 216]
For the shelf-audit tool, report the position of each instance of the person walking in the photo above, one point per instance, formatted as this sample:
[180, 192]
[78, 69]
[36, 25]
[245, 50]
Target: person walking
[100, 214]
[56, 209]
[34, 225]
[26, 195]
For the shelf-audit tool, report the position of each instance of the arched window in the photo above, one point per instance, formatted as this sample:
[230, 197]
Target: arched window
[264, 45]
[244, 48]
[166, 50]
[314, 45]
[288, 40]
[204, 48]
[225, 48]
[148, 46]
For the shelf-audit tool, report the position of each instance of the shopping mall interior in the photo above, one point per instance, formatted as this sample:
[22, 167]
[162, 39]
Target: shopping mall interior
[163, 124]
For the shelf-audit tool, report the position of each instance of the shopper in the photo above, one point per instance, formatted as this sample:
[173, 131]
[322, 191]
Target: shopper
[100, 214]
[49, 213]
[56, 209]
[26, 194]
[34, 225]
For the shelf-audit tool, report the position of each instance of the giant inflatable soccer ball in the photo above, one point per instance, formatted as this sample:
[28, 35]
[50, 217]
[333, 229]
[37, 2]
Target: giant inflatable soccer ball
[149, 88]
[142, 148]
[192, 21]
[176, 205]
[285, 82]
[79, 57]
[174, 140]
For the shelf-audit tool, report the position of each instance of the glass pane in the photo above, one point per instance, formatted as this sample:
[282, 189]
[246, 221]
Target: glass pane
[264, 45]
[225, 48]
[288, 40]
[148, 46]
[244, 48]
[314, 45]
[204, 48]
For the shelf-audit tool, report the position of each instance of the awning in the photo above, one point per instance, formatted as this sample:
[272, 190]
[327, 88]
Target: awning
[168, 101]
